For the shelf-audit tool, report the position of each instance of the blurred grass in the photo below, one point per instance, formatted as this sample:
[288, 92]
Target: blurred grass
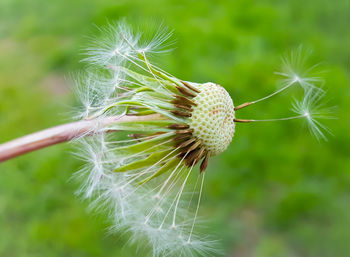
[275, 192]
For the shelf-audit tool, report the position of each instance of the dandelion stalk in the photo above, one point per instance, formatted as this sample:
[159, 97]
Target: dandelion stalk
[62, 133]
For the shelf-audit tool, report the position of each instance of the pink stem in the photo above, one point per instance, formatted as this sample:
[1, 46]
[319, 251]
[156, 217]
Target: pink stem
[62, 133]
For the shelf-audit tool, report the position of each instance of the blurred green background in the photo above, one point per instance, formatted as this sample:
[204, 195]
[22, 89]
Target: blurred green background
[275, 192]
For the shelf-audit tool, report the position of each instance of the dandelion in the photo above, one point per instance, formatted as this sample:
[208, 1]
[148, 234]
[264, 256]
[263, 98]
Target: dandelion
[144, 178]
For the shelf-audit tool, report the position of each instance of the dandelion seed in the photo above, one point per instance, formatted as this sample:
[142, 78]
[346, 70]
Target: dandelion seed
[295, 70]
[143, 181]
[313, 109]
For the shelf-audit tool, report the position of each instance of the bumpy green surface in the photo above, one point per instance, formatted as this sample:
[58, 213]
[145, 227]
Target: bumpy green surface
[274, 192]
[212, 118]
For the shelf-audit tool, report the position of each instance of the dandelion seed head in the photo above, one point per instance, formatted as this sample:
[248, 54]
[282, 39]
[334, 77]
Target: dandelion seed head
[212, 118]
[143, 178]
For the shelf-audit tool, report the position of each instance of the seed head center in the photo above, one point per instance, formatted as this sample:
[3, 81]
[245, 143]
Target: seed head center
[212, 118]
